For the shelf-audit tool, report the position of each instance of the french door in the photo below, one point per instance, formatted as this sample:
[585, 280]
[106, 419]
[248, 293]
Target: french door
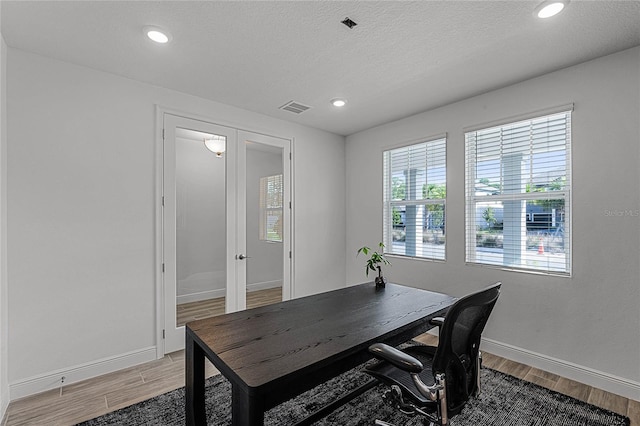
[225, 228]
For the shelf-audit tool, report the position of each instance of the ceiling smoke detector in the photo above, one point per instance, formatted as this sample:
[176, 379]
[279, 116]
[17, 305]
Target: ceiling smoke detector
[349, 23]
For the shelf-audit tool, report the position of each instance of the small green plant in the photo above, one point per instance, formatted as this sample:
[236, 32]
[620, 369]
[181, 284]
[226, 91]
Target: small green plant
[375, 261]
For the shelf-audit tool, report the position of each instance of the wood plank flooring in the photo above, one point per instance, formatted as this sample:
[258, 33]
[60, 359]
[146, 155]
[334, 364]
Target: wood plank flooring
[94, 397]
[211, 307]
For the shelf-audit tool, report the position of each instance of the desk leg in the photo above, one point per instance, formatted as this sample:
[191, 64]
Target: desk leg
[195, 411]
[245, 410]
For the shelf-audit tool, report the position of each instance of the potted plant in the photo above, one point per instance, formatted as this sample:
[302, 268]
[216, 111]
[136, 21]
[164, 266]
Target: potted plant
[375, 262]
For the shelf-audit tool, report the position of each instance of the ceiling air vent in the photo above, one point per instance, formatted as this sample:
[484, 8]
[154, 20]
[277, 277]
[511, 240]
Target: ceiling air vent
[294, 107]
[349, 23]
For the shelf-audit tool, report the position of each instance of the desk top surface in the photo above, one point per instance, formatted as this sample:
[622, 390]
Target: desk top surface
[264, 344]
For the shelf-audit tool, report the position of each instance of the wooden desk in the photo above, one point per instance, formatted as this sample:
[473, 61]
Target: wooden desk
[273, 353]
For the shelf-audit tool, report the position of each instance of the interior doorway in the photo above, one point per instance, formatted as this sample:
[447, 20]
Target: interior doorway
[226, 222]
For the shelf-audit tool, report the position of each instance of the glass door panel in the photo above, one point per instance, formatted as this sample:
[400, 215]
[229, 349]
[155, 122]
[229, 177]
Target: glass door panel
[200, 225]
[266, 218]
[198, 246]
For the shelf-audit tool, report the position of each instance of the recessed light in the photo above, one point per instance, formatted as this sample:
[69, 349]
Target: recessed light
[157, 34]
[550, 8]
[338, 102]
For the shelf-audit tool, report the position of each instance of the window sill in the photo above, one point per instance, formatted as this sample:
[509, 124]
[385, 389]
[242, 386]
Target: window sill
[521, 270]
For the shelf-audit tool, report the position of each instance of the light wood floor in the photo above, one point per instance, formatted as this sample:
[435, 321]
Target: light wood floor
[91, 398]
[208, 308]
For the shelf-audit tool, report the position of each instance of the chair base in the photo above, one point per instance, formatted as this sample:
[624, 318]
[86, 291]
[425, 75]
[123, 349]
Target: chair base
[393, 397]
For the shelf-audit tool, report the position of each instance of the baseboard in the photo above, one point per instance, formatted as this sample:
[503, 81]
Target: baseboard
[4, 404]
[588, 376]
[214, 294]
[52, 380]
[264, 285]
[204, 295]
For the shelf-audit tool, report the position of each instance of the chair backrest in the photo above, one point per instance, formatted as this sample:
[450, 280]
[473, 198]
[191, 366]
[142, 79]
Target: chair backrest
[459, 342]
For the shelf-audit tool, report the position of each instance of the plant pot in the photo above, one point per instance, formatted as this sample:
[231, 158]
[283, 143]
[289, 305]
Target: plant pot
[380, 282]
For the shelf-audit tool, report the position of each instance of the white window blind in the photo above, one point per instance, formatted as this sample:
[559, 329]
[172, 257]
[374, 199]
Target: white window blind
[271, 196]
[414, 193]
[518, 192]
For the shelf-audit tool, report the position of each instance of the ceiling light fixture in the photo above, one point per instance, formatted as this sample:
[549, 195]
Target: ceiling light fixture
[550, 8]
[157, 34]
[338, 102]
[216, 144]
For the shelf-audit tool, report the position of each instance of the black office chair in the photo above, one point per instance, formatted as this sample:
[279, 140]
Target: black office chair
[437, 382]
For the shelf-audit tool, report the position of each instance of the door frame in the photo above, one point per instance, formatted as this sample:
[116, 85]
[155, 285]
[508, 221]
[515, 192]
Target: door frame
[160, 111]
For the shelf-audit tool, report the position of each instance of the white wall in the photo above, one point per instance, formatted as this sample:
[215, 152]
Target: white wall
[587, 326]
[81, 213]
[4, 386]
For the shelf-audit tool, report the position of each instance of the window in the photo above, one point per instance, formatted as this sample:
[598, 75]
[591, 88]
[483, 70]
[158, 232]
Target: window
[271, 208]
[518, 192]
[414, 193]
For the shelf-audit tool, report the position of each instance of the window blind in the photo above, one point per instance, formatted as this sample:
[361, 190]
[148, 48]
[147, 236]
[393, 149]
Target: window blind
[518, 189]
[414, 194]
[271, 196]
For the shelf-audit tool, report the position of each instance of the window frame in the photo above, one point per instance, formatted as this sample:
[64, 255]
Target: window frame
[265, 208]
[472, 200]
[388, 204]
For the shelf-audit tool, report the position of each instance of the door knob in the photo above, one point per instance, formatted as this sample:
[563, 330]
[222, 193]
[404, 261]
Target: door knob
[242, 257]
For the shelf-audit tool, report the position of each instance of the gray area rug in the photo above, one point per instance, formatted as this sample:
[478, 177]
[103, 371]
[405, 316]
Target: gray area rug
[505, 401]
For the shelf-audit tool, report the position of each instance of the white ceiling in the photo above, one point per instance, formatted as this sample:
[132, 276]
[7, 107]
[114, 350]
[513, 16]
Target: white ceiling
[402, 58]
